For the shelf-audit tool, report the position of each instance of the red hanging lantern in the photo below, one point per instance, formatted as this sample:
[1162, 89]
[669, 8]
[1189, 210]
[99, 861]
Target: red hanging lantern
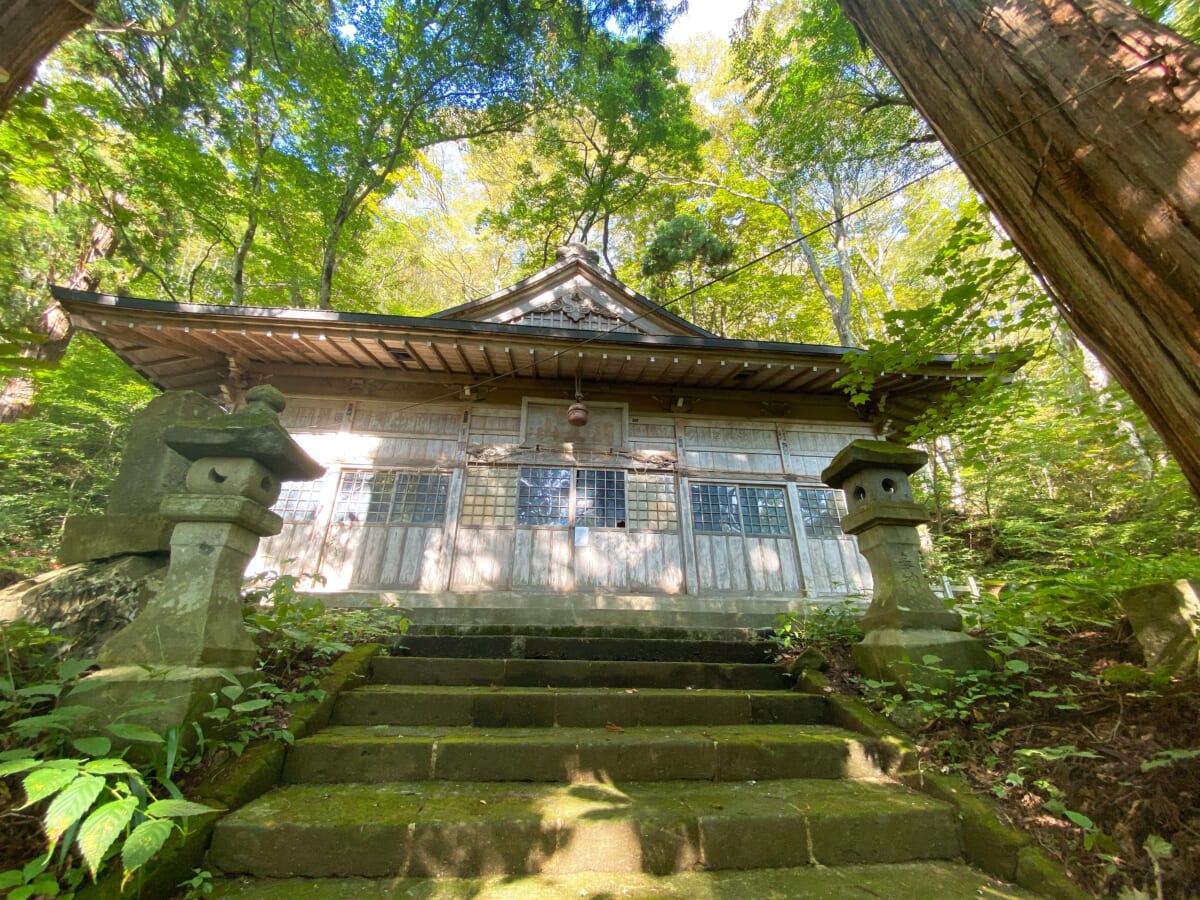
[577, 413]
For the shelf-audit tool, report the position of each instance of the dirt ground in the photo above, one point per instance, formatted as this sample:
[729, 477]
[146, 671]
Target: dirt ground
[1123, 755]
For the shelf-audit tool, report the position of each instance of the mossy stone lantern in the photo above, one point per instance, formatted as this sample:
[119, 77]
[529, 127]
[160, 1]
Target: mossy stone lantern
[906, 623]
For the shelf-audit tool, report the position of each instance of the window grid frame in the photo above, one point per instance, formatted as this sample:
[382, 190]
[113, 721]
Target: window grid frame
[727, 508]
[297, 496]
[822, 517]
[392, 497]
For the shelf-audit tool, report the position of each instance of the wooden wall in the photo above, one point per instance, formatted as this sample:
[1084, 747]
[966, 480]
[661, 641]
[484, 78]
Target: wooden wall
[458, 440]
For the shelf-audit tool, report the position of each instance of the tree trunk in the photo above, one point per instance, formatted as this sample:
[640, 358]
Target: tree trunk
[1101, 195]
[30, 29]
[18, 393]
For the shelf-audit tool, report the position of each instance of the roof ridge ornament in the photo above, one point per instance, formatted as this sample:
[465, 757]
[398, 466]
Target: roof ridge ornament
[577, 250]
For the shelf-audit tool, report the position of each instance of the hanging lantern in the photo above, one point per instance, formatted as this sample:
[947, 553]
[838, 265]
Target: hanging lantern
[577, 413]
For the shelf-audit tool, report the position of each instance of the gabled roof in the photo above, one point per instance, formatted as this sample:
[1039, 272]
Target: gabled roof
[574, 294]
[553, 327]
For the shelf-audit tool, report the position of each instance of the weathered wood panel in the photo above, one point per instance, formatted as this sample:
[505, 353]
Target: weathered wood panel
[482, 559]
[313, 415]
[655, 562]
[402, 557]
[721, 564]
[296, 550]
[603, 563]
[854, 564]
[542, 559]
[382, 418]
[773, 566]
[494, 426]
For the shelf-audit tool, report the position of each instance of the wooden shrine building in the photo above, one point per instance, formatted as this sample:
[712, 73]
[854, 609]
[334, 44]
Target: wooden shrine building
[453, 469]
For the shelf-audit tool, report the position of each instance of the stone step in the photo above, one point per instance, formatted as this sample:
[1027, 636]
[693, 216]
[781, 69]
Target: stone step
[378, 754]
[533, 707]
[631, 631]
[447, 829]
[522, 646]
[896, 881]
[578, 673]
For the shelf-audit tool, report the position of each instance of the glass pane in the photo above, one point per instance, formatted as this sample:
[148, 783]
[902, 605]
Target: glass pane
[822, 511]
[420, 498]
[715, 508]
[364, 497]
[490, 497]
[543, 496]
[600, 498]
[298, 501]
[764, 510]
[650, 503]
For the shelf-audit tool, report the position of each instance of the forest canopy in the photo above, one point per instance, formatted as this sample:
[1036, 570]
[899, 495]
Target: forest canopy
[404, 156]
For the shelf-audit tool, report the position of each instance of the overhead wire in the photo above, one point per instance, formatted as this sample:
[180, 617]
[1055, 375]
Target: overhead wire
[825, 226]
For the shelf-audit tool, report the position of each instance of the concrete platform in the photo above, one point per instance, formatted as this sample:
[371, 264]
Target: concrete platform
[900, 881]
[591, 609]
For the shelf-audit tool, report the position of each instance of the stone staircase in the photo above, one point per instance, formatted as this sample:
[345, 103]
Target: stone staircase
[546, 765]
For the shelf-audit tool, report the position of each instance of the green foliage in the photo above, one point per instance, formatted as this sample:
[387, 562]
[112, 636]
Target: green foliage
[90, 801]
[819, 627]
[99, 805]
[294, 630]
[62, 461]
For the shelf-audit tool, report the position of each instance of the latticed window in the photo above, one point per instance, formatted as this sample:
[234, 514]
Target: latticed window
[822, 511]
[764, 510]
[739, 509]
[376, 498]
[298, 501]
[489, 497]
[650, 502]
[543, 496]
[714, 508]
[600, 498]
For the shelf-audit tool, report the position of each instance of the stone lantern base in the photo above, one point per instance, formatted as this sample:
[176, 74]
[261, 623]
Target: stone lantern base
[898, 655]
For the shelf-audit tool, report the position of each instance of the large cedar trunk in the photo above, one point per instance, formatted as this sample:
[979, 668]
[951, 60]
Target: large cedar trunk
[1102, 195]
[29, 29]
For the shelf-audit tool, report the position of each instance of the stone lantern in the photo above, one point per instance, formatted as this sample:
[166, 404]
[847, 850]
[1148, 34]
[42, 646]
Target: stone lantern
[190, 637]
[906, 622]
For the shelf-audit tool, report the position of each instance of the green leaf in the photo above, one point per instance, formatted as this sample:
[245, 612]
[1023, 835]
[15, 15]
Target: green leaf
[251, 705]
[1017, 666]
[173, 809]
[1079, 819]
[1158, 847]
[101, 828]
[109, 767]
[73, 668]
[70, 806]
[17, 766]
[10, 878]
[92, 746]
[128, 731]
[41, 783]
[143, 842]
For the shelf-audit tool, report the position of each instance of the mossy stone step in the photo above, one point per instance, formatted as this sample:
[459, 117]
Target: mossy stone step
[440, 830]
[488, 707]
[897, 881]
[387, 753]
[578, 673]
[521, 646]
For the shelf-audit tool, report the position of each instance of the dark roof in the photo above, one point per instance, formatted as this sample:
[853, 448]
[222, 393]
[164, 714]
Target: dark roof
[198, 347]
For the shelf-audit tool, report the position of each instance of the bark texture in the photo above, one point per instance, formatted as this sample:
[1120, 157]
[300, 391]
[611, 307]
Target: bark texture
[1102, 194]
[29, 29]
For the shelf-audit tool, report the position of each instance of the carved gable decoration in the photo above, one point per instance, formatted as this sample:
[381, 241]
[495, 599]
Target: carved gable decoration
[571, 307]
[575, 295]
